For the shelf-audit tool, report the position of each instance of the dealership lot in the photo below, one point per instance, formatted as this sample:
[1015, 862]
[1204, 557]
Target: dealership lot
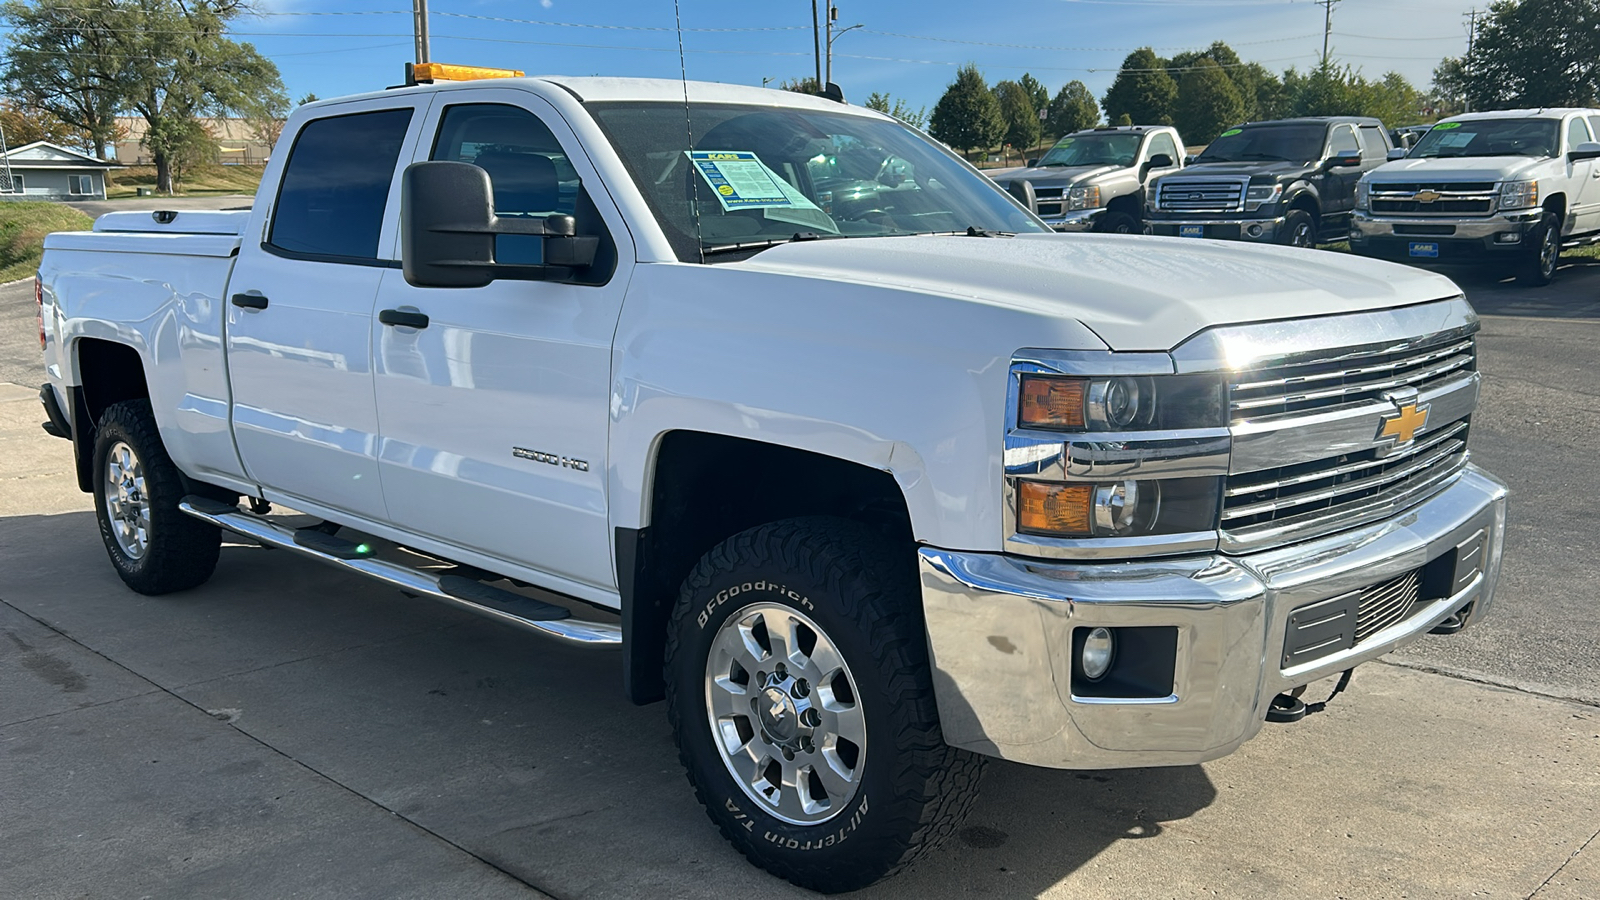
[286, 730]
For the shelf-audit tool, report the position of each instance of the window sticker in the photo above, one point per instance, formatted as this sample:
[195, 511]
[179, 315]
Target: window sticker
[740, 180]
[1446, 126]
[1456, 141]
[1231, 132]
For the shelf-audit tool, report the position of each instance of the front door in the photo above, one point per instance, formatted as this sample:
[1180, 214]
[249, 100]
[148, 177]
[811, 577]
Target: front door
[299, 319]
[495, 413]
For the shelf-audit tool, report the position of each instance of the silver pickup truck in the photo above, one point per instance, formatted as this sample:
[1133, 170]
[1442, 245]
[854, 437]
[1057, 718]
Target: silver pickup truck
[1094, 180]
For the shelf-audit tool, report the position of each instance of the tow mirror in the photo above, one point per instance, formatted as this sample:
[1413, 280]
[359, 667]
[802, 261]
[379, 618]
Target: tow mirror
[448, 228]
[1397, 153]
[1586, 150]
[1343, 161]
[1033, 162]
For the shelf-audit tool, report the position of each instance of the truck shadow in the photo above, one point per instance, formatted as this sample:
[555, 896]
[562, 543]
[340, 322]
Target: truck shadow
[1575, 293]
[522, 752]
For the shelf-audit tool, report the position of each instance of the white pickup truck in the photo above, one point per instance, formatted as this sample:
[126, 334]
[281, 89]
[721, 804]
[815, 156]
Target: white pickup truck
[869, 480]
[1508, 189]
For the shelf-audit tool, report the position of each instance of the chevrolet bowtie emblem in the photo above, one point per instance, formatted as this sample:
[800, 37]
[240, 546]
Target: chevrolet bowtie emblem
[1402, 425]
[1425, 196]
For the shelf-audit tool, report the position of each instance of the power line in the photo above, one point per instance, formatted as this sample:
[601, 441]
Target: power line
[918, 37]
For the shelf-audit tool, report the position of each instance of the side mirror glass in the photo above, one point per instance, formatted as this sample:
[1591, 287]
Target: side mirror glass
[1161, 161]
[1033, 162]
[1586, 150]
[1189, 159]
[448, 228]
[1397, 153]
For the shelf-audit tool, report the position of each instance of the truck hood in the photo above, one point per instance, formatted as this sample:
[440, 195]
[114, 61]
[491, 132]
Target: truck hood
[1244, 168]
[1051, 175]
[1135, 292]
[1472, 168]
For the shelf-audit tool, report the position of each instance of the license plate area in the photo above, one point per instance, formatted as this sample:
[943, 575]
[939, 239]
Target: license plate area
[1197, 231]
[1425, 249]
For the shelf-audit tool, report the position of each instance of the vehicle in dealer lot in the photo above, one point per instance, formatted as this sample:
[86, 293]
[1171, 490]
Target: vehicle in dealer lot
[1289, 181]
[1506, 189]
[874, 497]
[1094, 180]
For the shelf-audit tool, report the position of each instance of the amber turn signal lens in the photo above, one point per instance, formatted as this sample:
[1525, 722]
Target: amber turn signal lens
[1059, 509]
[1049, 402]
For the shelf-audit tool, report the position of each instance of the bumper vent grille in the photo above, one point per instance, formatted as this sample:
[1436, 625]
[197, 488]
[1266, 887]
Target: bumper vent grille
[1386, 604]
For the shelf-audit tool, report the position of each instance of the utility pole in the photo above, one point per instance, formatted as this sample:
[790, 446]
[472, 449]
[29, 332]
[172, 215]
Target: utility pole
[5, 153]
[1466, 63]
[1327, 25]
[419, 14]
[816, 41]
[833, 17]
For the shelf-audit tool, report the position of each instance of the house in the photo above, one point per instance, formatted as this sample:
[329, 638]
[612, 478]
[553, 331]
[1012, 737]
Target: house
[239, 141]
[45, 171]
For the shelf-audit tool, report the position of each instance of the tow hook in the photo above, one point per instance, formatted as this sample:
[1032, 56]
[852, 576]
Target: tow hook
[1288, 707]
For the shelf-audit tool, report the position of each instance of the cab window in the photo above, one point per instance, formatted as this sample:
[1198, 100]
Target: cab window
[1343, 142]
[1163, 143]
[335, 186]
[530, 172]
[1374, 143]
[1577, 133]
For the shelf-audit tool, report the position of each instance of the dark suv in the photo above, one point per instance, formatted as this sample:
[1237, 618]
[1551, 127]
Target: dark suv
[1290, 181]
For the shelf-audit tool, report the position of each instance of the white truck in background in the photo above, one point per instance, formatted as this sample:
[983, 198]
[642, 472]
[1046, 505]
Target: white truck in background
[878, 475]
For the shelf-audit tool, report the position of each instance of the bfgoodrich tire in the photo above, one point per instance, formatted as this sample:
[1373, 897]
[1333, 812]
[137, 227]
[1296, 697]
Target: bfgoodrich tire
[155, 548]
[799, 689]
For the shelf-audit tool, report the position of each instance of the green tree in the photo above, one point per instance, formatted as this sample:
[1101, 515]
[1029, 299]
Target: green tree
[807, 85]
[894, 106]
[1393, 100]
[308, 98]
[1208, 102]
[1143, 90]
[1038, 94]
[69, 59]
[24, 126]
[1022, 119]
[1123, 119]
[1073, 109]
[1261, 91]
[1532, 53]
[968, 116]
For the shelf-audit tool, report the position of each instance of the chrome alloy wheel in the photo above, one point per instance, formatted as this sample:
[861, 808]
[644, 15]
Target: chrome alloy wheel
[126, 505]
[1549, 252]
[784, 714]
[1302, 236]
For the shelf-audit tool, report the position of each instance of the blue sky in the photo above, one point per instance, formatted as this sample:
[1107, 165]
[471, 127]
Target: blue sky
[908, 49]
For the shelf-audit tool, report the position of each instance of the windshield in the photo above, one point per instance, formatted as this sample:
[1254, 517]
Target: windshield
[1093, 150]
[763, 174]
[1489, 137]
[1290, 143]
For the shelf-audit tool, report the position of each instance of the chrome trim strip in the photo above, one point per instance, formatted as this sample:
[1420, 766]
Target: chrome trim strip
[1105, 363]
[1106, 547]
[1410, 379]
[1419, 464]
[1096, 457]
[1243, 488]
[1462, 347]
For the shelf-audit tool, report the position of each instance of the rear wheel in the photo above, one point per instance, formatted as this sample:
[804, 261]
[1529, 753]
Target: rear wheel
[1544, 254]
[1299, 229]
[155, 548]
[799, 689]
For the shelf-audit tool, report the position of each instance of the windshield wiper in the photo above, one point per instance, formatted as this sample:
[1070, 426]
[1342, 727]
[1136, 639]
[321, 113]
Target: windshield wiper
[1207, 159]
[797, 237]
[1263, 156]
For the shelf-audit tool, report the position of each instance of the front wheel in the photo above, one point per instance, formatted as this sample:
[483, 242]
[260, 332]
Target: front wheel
[1545, 253]
[1299, 229]
[799, 689]
[154, 546]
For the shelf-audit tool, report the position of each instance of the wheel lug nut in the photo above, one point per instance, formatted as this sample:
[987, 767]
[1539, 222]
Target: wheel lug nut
[788, 754]
[811, 718]
[800, 688]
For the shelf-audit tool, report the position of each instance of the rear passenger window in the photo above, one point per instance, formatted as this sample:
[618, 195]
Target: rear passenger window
[336, 183]
[1343, 142]
[1374, 143]
[1594, 126]
[1577, 133]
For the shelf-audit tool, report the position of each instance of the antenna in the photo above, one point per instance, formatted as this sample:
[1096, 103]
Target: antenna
[688, 129]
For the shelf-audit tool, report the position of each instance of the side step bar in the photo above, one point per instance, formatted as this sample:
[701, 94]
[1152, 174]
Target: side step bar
[526, 613]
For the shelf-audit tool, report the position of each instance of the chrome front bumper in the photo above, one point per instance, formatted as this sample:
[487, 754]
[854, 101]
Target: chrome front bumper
[1075, 221]
[1474, 228]
[1170, 226]
[1000, 632]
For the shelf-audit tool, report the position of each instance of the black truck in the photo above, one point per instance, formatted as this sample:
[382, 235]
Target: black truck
[1289, 181]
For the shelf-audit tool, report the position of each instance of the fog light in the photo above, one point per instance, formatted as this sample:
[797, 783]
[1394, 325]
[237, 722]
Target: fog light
[1254, 230]
[1507, 237]
[1099, 649]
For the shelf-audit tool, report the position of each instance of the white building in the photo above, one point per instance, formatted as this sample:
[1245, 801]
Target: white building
[46, 171]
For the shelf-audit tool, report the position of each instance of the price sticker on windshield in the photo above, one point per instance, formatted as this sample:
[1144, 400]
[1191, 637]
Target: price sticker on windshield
[1231, 132]
[740, 180]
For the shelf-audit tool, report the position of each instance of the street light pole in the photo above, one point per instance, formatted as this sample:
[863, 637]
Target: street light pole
[816, 42]
[419, 14]
[833, 16]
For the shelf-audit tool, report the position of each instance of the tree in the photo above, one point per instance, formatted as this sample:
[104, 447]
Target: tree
[1393, 100]
[308, 98]
[69, 59]
[1073, 109]
[1207, 103]
[1261, 91]
[807, 85]
[1532, 53]
[1038, 94]
[24, 126]
[1123, 119]
[1022, 120]
[1143, 91]
[896, 107]
[968, 116]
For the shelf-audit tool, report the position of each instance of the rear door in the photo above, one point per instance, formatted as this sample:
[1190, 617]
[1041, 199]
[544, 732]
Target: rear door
[299, 319]
[495, 413]
[1585, 179]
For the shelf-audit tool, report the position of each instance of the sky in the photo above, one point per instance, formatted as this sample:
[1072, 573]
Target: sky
[904, 48]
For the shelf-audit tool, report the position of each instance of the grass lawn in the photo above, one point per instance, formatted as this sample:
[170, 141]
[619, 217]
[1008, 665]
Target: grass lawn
[23, 225]
[208, 181]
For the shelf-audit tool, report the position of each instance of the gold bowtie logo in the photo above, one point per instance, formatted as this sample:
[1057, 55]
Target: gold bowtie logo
[1425, 196]
[1405, 423]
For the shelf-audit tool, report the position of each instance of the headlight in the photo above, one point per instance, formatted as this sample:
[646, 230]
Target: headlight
[1363, 192]
[1125, 508]
[1262, 195]
[1083, 197]
[1125, 403]
[1519, 195]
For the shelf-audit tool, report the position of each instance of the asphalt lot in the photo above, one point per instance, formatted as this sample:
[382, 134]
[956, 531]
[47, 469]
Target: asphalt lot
[286, 730]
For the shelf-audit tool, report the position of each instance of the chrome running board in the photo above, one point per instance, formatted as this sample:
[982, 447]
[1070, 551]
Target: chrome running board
[488, 601]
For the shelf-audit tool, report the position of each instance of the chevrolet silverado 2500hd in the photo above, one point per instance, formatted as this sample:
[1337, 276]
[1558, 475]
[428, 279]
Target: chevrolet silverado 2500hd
[1094, 180]
[876, 492]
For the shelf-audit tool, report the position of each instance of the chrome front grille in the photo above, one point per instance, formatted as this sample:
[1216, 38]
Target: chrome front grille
[1312, 495]
[1468, 198]
[1387, 604]
[1307, 386]
[1188, 195]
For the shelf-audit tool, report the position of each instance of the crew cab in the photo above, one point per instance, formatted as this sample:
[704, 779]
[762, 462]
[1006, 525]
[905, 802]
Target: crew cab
[866, 496]
[1094, 180]
[1288, 181]
[1507, 189]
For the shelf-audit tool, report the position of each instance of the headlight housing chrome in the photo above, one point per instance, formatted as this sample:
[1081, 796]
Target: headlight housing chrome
[1363, 194]
[1083, 196]
[1119, 402]
[1259, 195]
[1519, 195]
